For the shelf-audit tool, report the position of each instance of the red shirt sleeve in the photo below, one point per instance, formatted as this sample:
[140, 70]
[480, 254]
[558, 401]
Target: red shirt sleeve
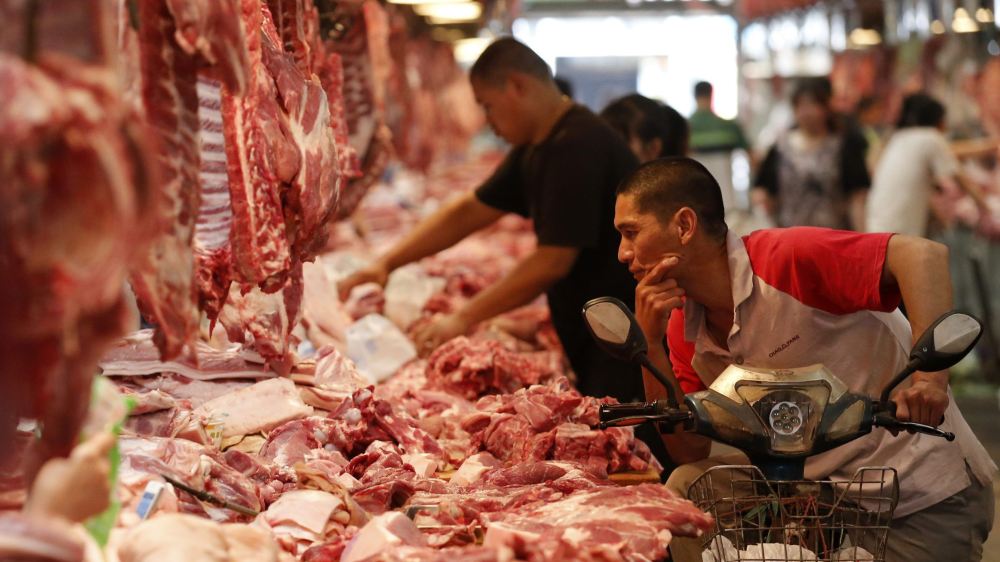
[682, 353]
[835, 271]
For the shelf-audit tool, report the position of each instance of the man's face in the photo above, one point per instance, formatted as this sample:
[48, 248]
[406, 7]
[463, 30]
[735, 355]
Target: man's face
[645, 240]
[504, 110]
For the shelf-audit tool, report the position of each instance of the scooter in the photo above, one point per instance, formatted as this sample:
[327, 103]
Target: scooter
[779, 418]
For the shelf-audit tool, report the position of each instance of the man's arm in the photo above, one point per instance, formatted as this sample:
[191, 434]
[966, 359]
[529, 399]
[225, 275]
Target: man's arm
[919, 268]
[655, 296]
[531, 277]
[683, 447]
[443, 229]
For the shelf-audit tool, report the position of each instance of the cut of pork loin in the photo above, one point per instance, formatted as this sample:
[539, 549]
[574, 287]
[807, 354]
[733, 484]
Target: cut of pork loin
[632, 523]
[386, 480]
[145, 459]
[334, 371]
[472, 368]
[428, 554]
[563, 476]
[473, 469]
[136, 355]
[384, 532]
[553, 422]
[185, 537]
[256, 408]
[302, 518]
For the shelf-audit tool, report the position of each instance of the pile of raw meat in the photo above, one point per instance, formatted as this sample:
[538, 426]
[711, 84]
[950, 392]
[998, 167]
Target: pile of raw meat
[480, 451]
[197, 150]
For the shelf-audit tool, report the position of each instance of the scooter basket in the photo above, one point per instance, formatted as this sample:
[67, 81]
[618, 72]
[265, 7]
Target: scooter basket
[800, 520]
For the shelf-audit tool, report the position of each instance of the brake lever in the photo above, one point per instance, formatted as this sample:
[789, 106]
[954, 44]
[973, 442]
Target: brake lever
[889, 422]
[635, 420]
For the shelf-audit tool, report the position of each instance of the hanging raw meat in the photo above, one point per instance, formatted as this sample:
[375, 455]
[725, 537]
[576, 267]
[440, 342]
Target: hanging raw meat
[75, 203]
[361, 38]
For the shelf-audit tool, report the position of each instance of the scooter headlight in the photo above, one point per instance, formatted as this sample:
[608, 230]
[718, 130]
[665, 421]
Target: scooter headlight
[786, 418]
[790, 413]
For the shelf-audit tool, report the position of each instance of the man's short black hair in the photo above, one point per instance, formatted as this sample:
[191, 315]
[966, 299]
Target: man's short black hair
[920, 110]
[665, 185]
[506, 55]
[702, 90]
[565, 86]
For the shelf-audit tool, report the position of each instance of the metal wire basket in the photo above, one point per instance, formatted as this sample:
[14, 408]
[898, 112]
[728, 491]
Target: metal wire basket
[801, 520]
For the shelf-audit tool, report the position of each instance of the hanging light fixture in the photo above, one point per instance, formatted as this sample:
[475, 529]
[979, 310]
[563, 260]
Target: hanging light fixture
[963, 22]
[937, 27]
[450, 12]
[864, 37]
[984, 15]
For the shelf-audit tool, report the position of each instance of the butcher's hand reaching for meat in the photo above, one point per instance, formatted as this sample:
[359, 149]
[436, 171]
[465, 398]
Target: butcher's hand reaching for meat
[377, 272]
[655, 296]
[74, 488]
[440, 329]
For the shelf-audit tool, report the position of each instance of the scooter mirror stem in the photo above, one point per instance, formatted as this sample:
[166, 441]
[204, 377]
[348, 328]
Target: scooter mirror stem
[910, 368]
[671, 396]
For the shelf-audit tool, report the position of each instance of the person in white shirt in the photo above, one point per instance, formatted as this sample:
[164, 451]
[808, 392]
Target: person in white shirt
[915, 160]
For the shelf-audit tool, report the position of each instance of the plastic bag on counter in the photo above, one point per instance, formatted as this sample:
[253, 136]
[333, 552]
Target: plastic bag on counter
[407, 292]
[378, 347]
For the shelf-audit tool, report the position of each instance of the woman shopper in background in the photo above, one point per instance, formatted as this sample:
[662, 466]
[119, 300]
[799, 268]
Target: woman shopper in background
[815, 174]
[652, 129]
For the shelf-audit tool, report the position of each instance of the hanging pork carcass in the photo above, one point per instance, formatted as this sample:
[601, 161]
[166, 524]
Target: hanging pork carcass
[78, 194]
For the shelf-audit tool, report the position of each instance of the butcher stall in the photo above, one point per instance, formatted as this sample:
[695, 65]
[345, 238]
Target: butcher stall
[185, 183]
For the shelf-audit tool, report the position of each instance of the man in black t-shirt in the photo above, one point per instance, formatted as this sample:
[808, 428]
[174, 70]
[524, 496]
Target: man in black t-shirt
[562, 173]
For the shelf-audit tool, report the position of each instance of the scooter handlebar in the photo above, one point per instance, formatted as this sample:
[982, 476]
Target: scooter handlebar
[888, 421]
[635, 413]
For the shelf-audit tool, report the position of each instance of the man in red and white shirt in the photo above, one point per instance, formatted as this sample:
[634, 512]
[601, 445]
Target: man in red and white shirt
[787, 298]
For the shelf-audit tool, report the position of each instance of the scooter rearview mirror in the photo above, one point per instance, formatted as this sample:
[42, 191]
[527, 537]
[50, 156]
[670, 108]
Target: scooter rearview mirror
[617, 332]
[944, 343]
[614, 328]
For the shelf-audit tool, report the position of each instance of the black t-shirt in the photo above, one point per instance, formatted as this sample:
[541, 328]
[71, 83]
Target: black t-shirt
[566, 185]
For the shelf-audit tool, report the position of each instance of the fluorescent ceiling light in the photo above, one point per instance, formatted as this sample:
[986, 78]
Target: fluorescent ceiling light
[862, 37]
[450, 12]
[963, 22]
